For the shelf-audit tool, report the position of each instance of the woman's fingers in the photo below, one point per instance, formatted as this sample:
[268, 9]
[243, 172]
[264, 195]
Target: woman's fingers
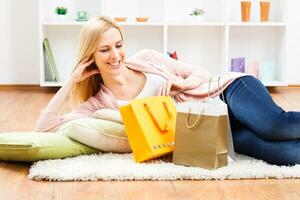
[85, 60]
[80, 73]
[160, 90]
[162, 93]
[84, 66]
[168, 88]
[92, 72]
[88, 63]
[164, 88]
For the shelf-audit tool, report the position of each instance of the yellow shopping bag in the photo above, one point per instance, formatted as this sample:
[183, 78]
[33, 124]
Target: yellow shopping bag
[150, 126]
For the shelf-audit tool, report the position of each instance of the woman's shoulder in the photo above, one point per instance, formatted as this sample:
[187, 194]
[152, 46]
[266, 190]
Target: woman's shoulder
[144, 54]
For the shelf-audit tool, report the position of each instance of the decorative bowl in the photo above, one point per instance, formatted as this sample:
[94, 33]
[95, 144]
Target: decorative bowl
[120, 19]
[142, 19]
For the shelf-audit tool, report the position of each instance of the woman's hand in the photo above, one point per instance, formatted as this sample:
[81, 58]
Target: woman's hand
[171, 89]
[81, 73]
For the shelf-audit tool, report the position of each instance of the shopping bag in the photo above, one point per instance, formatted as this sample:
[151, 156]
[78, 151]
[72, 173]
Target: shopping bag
[201, 137]
[150, 126]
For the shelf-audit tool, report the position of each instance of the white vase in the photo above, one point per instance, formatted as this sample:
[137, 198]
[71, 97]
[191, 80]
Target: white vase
[199, 18]
[61, 18]
[193, 18]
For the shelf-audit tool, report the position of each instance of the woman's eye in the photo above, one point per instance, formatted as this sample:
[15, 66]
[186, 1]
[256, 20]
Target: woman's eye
[119, 46]
[103, 50]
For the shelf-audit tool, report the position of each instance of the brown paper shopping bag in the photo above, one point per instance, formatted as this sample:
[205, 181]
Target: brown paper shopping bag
[201, 134]
[150, 126]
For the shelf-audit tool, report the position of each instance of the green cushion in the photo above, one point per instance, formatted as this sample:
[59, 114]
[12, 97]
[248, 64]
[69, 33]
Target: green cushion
[33, 146]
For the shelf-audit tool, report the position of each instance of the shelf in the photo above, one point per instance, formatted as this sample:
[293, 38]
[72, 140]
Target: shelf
[66, 23]
[274, 83]
[262, 45]
[51, 84]
[210, 42]
[196, 23]
[135, 38]
[64, 44]
[178, 10]
[257, 24]
[208, 51]
[75, 23]
[141, 23]
[188, 23]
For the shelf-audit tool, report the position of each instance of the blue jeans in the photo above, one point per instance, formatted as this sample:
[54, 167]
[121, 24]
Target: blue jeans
[260, 128]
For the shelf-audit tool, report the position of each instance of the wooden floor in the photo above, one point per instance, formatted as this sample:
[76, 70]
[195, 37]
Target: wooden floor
[19, 111]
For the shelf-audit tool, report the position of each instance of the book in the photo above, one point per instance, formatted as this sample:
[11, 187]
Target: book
[50, 67]
[49, 75]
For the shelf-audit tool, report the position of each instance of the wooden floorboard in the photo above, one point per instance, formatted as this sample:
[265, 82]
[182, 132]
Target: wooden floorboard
[20, 109]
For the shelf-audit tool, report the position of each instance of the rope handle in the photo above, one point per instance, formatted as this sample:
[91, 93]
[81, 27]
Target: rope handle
[218, 88]
[168, 124]
[198, 119]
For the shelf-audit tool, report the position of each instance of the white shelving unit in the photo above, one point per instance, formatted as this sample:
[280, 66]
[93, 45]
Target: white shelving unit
[211, 42]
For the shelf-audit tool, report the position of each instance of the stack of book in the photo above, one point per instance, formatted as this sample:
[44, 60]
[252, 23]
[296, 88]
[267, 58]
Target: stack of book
[51, 73]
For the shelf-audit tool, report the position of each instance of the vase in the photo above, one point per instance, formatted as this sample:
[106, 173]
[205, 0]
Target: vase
[267, 72]
[199, 18]
[245, 10]
[253, 69]
[264, 11]
[194, 18]
[61, 18]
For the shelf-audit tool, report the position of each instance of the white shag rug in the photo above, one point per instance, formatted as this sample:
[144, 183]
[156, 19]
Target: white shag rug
[120, 167]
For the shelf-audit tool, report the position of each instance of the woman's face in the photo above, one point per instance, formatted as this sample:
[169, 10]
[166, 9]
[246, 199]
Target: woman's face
[110, 53]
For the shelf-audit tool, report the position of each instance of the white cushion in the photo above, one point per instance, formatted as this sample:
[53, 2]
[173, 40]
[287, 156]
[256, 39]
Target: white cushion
[101, 134]
[108, 114]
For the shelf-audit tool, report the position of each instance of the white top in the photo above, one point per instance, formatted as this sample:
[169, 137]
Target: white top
[153, 82]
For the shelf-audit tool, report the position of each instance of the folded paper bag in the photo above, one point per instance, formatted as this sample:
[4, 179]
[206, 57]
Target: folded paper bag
[201, 134]
[150, 125]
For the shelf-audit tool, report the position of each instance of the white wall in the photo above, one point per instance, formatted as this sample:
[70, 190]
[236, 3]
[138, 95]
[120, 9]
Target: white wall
[19, 62]
[293, 43]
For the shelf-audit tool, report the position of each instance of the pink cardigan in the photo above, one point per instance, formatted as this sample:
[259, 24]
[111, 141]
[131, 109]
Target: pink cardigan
[148, 61]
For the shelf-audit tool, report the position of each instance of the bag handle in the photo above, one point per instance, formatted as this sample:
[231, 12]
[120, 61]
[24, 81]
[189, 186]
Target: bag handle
[168, 124]
[218, 88]
[209, 82]
[198, 119]
[221, 88]
[210, 93]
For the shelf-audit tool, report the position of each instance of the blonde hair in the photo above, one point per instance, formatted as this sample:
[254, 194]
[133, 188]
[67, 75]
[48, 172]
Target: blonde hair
[90, 35]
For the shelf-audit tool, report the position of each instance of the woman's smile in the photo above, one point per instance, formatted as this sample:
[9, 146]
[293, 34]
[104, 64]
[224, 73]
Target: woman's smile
[115, 64]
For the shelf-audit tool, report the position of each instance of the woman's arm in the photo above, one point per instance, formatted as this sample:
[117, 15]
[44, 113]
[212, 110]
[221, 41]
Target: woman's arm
[192, 75]
[60, 97]
[50, 118]
[177, 67]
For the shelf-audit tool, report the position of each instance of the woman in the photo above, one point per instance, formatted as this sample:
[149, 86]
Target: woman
[105, 78]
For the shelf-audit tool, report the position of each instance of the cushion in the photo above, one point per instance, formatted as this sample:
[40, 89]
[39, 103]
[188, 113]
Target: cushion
[101, 134]
[33, 146]
[108, 114]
